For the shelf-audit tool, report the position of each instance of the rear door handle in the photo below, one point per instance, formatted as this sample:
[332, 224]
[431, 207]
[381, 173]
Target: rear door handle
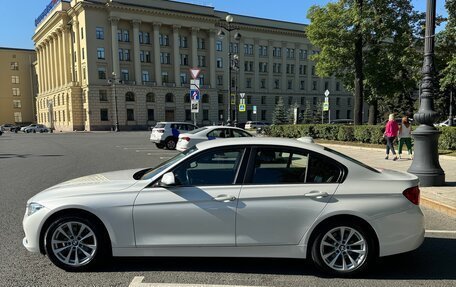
[316, 194]
[225, 198]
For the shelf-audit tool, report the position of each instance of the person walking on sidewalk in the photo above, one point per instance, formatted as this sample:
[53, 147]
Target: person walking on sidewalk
[405, 136]
[391, 131]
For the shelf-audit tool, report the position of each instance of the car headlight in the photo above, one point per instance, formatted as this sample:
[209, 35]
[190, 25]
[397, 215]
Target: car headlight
[32, 208]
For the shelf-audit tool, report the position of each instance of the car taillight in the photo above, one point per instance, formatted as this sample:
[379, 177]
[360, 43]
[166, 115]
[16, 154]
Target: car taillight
[186, 139]
[413, 194]
[161, 131]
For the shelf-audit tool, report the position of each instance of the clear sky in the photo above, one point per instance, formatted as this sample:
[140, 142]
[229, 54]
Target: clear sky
[17, 17]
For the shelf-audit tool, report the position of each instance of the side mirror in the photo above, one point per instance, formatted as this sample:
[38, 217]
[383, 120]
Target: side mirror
[167, 180]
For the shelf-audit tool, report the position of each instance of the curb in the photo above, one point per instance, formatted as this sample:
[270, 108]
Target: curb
[438, 206]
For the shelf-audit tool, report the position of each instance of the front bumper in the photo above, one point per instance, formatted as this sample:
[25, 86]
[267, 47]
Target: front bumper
[32, 227]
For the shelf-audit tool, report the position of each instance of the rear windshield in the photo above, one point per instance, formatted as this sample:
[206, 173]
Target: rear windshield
[196, 131]
[351, 159]
[159, 126]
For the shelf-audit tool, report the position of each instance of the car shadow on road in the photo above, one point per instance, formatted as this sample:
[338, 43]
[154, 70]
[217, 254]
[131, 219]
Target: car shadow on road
[434, 260]
[12, 155]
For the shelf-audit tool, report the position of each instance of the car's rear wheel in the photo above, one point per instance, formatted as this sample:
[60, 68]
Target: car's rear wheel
[74, 243]
[343, 249]
[170, 143]
[159, 145]
[34, 131]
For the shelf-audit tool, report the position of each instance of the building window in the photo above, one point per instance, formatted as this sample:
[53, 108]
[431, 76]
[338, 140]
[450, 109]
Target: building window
[130, 114]
[14, 66]
[18, 117]
[201, 78]
[303, 85]
[349, 114]
[314, 101]
[150, 115]
[126, 36]
[220, 80]
[201, 44]
[121, 55]
[147, 55]
[17, 104]
[82, 32]
[141, 56]
[349, 102]
[102, 73]
[188, 115]
[101, 53]
[314, 85]
[183, 43]
[104, 115]
[150, 98]
[276, 84]
[99, 33]
[165, 58]
[337, 114]
[263, 51]
[187, 98]
[141, 37]
[303, 54]
[201, 61]
[248, 49]
[163, 40]
[15, 79]
[220, 99]
[119, 35]
[145, 76]
[277, 52]
[313, 70]
[248, 83]
[290, 53]
[263, 67]
[220, 63]
[165, 77]
[302, 69]
[125, 75]
[103, 94]
[169, 98]
[205, 98]
[219, 46]
[263, 100]
[303, 101]
[16, 92]
[290, 84]
[326, 86]
[234, 48]
[184, 78]
[276, 100]
[337, 86]
[146, 38]
[126, 55]
[129, 97]
[205, 115]
[248, 66]
[263, 83]
[337, 101]
[263, 115]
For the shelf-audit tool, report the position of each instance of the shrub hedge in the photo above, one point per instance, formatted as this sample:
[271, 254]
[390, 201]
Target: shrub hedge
[364, 133]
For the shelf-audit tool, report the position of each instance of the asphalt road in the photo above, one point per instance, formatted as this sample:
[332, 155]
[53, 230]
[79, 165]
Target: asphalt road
[30, 163]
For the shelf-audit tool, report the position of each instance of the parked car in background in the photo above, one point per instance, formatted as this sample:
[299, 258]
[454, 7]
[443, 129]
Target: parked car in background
[8, 128]
[253, 125]
[194, 137]
[35, 128]
[166, 134]
[446, 123]
[243, 197]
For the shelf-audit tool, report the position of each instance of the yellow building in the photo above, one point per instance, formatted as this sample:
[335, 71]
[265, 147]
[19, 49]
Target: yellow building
[17, 86]
[148, 46]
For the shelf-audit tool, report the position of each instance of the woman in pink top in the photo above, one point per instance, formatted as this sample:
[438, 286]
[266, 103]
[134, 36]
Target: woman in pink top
[391, 131]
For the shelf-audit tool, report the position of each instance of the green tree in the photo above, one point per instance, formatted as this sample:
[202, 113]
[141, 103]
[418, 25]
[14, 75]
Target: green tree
[371, 46]
[280, 114]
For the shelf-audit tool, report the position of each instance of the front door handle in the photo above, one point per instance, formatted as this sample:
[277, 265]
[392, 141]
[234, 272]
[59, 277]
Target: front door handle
[317, 194]
[225, 198]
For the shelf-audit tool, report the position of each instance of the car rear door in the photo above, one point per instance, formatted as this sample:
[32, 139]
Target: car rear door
[285, 190]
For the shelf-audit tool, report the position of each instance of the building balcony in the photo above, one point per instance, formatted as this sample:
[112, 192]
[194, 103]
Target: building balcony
[149, 83]
[169, 85]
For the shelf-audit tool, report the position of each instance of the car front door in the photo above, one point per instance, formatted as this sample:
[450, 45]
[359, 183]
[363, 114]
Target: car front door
[200, 210]
[285, 191]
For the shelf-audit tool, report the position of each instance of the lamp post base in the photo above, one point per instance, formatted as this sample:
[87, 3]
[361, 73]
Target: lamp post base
[426, 160]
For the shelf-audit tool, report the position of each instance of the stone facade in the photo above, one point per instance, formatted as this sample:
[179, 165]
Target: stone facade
[94, 56]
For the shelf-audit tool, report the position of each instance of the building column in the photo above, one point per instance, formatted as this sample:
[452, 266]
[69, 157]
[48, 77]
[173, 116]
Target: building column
[256, 66]
[212, 65]
[65, 57]
[270, 84]
[194, 47]
[60, 47]
[40, 75]
[157, 63]
[284, 68]
[296, 71]
[45, 66]
[176, 55]
[114, 46]
[52, 62]
[136, 48]
[55, 57]
[78, 49]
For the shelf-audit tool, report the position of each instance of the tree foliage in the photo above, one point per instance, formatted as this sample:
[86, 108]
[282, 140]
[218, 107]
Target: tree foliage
[390, 57]
[280, 114]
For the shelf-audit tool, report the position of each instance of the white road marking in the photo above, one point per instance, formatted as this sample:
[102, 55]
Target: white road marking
[137, 282]
[442, 231]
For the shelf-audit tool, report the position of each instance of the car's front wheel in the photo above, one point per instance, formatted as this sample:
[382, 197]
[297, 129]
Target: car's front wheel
[74, 243]
[343, 249]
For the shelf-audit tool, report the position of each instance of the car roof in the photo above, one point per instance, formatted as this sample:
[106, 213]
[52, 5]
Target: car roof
[259, 141]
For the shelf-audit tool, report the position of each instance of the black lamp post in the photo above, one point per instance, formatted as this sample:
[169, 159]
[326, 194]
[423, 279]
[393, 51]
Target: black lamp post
[113, 80]
[426, 164]
[227, 25]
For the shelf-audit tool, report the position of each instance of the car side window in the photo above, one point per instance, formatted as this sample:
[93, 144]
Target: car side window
[322, 170]
[215, 167]
[240, 134]
[217, 133]
[280, 166]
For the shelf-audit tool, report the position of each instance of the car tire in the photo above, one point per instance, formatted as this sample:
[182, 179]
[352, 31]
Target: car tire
[170, 143]
[343, 249]
[34, 131]
[74, 243]
[159, 145]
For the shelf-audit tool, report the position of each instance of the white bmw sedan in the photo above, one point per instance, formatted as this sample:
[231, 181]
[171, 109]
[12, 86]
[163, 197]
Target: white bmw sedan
[194, 137]
[244, 197]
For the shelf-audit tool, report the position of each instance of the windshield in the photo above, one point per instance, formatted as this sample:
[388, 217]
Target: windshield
[196, 131]
[351, 159]
[161, 167]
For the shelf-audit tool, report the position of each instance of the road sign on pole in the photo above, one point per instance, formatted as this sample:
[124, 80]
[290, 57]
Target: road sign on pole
[194, 84]
[242, 95]
[254, 110]
[327, 93]
[194, 72]
[194, 106]
[242, 107]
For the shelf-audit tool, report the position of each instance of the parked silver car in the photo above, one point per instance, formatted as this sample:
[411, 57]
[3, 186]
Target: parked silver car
[35, 128]
[243, 197]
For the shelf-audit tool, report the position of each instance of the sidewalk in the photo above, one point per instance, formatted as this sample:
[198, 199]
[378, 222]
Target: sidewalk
[442, 198]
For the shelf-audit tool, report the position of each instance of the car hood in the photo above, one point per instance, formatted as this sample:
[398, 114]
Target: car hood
[101, 183]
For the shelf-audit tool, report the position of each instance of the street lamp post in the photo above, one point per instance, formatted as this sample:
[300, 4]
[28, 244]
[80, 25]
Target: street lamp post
[113, 80]
[450, 120]
[227, 25]
[426, 164]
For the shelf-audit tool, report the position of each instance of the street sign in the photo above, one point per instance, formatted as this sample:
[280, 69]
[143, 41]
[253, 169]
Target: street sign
[327, 100]
[325, 106]
[254, 110]
[195, 106]
[194, 84]
[327, 93]
[242, 101]
[194, 72]
[194, 95]
[242, 95]
[242, 107]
